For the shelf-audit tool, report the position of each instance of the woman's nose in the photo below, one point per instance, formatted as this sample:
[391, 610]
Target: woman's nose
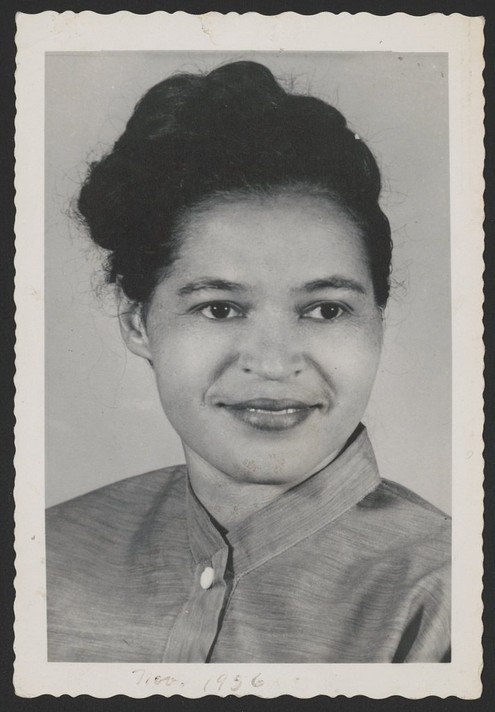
[271, 352]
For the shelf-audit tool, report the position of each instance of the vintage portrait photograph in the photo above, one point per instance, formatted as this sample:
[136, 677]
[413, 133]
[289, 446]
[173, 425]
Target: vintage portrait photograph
[251, 257]
[245, 294]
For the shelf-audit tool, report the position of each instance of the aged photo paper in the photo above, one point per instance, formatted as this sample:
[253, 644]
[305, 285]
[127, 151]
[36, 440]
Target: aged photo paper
[87, 412]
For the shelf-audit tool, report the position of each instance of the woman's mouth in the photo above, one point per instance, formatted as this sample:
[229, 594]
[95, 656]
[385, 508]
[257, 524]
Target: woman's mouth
[270, 414]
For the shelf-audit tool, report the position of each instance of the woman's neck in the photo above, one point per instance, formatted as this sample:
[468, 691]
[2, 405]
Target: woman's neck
[229, 501]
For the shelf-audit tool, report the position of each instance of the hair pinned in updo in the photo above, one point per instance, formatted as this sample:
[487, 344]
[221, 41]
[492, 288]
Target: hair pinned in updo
[235, 129]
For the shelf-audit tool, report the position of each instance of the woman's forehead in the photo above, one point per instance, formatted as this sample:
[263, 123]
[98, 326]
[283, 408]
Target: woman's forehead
[311, 202]
[291, 233]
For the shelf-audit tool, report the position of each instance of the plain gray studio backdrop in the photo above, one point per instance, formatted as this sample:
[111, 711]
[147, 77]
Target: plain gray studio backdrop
[103, 418]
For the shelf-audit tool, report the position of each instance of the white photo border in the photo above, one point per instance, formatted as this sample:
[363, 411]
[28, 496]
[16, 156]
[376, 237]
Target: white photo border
[459, 36]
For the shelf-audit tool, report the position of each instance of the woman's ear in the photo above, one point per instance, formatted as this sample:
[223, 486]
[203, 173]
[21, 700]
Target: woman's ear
[133, 330]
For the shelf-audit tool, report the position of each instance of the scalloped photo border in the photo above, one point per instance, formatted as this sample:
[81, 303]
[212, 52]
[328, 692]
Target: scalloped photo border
[459, 36]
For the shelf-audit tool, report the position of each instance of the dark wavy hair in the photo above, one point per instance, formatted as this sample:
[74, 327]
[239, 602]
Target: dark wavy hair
[234, 129]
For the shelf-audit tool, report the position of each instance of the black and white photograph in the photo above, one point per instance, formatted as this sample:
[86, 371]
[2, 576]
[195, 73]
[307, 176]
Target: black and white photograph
[249, 272]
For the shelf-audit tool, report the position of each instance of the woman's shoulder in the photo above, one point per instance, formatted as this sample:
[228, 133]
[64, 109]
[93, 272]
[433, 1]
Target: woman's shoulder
[117, 506]
[406, 520]
[393, 492]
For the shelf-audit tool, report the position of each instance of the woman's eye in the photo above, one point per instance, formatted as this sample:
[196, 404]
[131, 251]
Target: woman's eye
[219, 310]
[325, 312]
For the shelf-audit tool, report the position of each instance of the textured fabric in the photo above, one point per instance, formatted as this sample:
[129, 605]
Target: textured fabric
[344, 568]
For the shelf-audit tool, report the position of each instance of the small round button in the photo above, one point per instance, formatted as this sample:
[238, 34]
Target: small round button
[207, 578]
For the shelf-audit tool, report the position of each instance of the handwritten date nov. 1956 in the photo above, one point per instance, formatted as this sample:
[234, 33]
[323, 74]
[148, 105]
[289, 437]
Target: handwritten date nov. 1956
[226, 682]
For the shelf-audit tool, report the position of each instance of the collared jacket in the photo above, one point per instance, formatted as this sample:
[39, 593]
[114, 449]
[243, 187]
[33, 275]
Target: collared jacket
[344, 568]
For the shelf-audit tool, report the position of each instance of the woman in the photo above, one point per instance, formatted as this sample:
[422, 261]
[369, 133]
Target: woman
[252, 262]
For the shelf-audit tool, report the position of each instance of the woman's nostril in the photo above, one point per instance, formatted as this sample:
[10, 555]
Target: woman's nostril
[271, 369]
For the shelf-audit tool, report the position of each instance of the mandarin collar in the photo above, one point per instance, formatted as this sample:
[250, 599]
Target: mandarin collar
[295, 515]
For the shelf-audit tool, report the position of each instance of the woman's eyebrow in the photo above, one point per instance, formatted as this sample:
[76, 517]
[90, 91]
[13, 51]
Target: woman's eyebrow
[207, 283]
[334, 282]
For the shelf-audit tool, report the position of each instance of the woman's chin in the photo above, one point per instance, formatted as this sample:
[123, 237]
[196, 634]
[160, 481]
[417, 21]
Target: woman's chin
[275, 470]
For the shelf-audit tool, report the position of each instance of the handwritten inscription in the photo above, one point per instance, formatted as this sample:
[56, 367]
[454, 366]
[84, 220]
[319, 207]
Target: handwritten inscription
[226, 682]
[232, 683]
[143, 678]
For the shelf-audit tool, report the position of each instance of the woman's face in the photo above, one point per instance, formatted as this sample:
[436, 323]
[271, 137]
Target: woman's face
[265, 336]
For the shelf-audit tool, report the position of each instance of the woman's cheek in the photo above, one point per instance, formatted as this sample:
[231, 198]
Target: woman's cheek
[353, 358]
[186, 366]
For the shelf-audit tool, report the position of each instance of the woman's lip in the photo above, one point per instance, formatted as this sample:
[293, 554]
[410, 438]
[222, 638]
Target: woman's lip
[271, 405]
[270, 415]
